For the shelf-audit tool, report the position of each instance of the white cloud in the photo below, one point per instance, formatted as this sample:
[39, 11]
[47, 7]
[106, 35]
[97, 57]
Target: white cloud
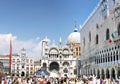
[32, 47]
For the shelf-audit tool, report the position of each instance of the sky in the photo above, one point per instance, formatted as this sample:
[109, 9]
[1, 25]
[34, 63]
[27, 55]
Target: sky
[28, 22]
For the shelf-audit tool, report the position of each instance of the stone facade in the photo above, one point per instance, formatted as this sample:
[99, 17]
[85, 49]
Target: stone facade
[59, 59]
[100, 41]
[17, 67]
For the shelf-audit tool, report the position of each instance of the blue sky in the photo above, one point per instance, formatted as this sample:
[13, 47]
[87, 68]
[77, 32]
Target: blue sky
[26, 20]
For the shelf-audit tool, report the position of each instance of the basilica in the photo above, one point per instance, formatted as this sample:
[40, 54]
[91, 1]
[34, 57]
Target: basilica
[61, 60]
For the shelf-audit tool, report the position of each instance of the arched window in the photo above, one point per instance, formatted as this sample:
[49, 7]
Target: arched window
[84, 41]
[107, 34]
[97, 39]
[114, 56]
[117, 55]
[111, 57]
[108, 57]
[119, 30]
[89, 36]
[44, 65]
[65, 70]
[103, 58]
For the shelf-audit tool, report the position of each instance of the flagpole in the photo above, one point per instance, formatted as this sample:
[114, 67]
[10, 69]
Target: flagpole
[10, 56]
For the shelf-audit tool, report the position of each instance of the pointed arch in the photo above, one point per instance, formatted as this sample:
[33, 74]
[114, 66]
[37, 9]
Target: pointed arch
[94, 71]
[107, 73]
[103, 75]
[89, 36]
[44, 65]
[118, 73]
[97, 39]
[98, 73]
[107, 34]
[113, 73]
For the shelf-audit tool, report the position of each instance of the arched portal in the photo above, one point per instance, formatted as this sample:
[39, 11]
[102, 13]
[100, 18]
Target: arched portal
[103, 75]
[118, 72]
[94, 71]
[107, 73]
[113, 73]
[98, 73]
[54, 66]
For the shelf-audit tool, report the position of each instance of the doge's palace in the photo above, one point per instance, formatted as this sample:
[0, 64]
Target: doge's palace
[100, 41]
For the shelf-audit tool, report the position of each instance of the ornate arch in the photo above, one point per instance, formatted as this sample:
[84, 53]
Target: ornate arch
[113, 73]
[98, 73]
[66, 64]
[54, 66]
[53, 51]
[103, 74]
[107, 73]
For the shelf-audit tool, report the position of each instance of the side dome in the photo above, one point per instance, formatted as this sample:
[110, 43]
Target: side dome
[74, 37]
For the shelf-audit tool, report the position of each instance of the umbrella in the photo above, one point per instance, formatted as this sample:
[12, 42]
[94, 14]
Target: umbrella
[42, 72]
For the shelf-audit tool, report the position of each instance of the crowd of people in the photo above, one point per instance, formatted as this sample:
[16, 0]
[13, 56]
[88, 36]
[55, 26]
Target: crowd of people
[62, 80]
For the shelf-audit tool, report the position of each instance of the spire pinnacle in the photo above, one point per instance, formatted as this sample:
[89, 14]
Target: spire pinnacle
[75, 28]
[60, 40]
[75, 23]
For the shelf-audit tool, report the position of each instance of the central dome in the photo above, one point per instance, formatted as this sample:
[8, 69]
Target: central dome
[74, 37]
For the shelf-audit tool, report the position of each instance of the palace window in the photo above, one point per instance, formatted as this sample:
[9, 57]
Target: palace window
[108, 58]
[107, 34]
[97, 38]
[97, 26]
[119, 30]
[89, 36]
[103, 58]
[111, 59]
[114, 56]
[84, 41]
[117, 55]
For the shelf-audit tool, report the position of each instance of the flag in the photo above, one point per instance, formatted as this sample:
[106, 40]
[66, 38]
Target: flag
[113, 35]
[10, 57]
[110, 40]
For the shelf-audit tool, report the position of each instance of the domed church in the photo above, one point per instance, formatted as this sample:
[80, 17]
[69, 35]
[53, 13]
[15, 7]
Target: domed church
[59, 60]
